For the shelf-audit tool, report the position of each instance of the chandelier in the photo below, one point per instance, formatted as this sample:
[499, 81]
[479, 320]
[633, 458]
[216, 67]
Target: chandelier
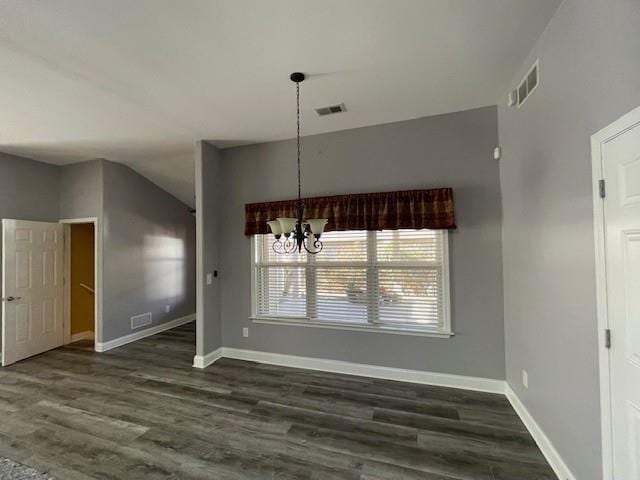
[298, 232]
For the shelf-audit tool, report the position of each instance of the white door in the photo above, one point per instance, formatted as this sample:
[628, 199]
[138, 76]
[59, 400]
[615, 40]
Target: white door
[32, 289]
[621, 168]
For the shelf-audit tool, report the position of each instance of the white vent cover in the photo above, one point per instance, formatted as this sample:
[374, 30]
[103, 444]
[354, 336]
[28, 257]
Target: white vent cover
[528, 84]
[331, 110]
[142, 320]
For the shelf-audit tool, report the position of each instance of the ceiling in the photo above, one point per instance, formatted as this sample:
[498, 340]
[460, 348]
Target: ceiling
[139, 82]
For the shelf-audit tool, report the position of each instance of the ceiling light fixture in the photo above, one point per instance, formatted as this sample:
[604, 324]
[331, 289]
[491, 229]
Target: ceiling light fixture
[298, 232]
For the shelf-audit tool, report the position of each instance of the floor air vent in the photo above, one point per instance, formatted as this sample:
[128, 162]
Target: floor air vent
[140, 320]
[331, 110]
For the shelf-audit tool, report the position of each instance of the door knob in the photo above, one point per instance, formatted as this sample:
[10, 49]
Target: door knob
[11, 299]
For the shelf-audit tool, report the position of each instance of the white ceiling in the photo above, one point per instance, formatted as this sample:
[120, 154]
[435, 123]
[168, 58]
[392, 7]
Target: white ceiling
[139, 82]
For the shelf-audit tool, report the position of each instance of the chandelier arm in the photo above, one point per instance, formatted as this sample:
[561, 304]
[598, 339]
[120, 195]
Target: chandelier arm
[317, 245]
[289, 246]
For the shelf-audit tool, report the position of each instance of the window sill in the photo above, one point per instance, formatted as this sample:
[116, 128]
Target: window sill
[394, 330]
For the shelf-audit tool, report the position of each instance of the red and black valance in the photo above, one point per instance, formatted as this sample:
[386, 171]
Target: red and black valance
[410, 209]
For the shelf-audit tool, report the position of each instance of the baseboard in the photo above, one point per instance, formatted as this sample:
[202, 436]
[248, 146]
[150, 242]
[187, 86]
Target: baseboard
[76, 337]
[203, 361]
[118, 342]
[546, 447]
[374, 371]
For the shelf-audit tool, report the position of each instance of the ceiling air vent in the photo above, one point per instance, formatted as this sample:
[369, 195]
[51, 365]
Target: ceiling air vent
[528, 84]
[331, 110]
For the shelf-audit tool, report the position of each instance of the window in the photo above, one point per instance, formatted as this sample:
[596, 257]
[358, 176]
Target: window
[386, 280]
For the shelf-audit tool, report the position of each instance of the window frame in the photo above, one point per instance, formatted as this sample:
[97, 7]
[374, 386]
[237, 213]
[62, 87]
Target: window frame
[445, 331]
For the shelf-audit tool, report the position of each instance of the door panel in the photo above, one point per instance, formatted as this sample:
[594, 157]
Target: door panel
[32, 288]
[634, 422]
[23, 269]
[23, 323]
[630, 182]
[621, 167]
[631, 265]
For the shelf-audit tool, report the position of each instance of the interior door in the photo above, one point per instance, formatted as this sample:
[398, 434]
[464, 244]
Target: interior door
[621, 165]
[32, 288]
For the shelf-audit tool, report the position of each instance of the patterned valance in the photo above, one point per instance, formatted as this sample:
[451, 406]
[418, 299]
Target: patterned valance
[414, 209]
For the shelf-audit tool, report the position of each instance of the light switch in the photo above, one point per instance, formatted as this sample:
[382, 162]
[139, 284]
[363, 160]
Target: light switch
[209, 278]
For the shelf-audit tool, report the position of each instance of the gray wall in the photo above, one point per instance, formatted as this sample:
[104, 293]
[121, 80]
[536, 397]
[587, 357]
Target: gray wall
[453, 150]
[81, 190]
[148, 252]
[208, 208]
[590, 70]
[29, 190]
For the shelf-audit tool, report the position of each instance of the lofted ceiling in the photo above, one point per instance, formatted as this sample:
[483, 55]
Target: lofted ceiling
[139, 82]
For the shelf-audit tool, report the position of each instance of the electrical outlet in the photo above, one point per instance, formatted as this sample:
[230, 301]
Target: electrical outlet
[245, 332]
[525, 379]
[167, 308]
[209, 278]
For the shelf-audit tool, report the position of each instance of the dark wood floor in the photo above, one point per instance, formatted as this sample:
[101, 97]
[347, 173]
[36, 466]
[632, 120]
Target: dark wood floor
[142, 412]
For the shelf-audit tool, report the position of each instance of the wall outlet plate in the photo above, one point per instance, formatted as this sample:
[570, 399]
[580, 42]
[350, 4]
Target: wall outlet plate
[525, 379]
[245, 332]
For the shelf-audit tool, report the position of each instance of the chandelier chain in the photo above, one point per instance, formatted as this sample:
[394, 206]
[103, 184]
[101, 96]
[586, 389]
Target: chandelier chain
[298, 136]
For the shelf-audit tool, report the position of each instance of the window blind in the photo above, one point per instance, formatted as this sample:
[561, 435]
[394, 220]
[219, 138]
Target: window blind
[389, 278]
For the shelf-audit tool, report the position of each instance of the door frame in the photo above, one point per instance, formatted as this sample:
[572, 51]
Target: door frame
[598, 140]
[97, 281]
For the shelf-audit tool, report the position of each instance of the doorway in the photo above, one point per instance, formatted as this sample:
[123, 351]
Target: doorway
[616, 173]
[81, 284]
[81, 280]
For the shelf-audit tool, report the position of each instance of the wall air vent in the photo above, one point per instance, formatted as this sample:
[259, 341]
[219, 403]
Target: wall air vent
[528, 84]
[331, 110]
[142, 320]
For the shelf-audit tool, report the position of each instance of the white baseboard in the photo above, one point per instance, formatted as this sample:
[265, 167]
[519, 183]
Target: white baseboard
[118, 342]
[76, 337]
[546, 447]
[203, 361]
[374, 371]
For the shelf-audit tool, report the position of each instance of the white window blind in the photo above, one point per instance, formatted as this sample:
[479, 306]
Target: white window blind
[387, 279]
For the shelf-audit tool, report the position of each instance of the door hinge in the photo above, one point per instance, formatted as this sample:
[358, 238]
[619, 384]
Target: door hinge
[607, 338]
[602, 188]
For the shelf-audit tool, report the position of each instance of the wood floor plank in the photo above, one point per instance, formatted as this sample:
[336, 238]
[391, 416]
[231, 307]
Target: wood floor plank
[382, 401]
[455, 463]
[142, 412]
[77, 419]
[392, 433]
[462, 429]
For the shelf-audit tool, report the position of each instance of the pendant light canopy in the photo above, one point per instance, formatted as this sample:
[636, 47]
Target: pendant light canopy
[298, 233]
